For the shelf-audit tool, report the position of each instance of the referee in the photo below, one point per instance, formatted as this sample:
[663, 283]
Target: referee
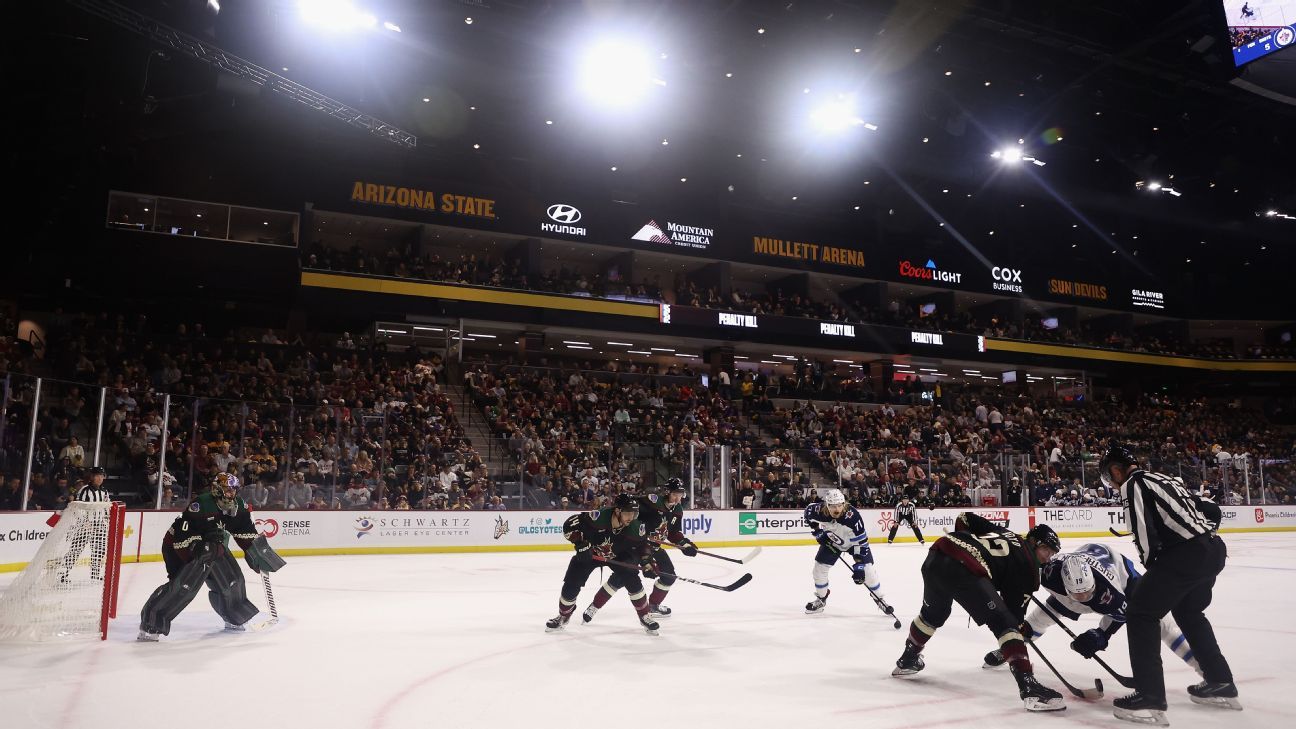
[94, 491]
[84, 532]
[1175, 537]
[904, 512]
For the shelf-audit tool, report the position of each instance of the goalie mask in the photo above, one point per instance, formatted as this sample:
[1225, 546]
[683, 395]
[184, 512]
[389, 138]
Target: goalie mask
[224, 490]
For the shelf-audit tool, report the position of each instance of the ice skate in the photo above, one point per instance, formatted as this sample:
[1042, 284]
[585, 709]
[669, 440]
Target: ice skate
[556, 624]
[1036, 696]
[816, 605]
[658, 612]
[650, 626]
[588, 615]
[910, 662]
[1208, 693]
[1140, 709]
[994, 659]
[147, 637]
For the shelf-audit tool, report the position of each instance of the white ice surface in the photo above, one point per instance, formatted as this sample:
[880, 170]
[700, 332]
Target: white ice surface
[424, 641]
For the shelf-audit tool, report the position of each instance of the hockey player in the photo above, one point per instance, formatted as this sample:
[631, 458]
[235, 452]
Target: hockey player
[195, 550]
[606, 534]
[904, 512]
[662, 521]
[839, 528]
[991, 573]
[1093, 579]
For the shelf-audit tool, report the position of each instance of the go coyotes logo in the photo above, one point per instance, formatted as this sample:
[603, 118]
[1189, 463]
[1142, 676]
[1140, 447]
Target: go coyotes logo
[501, 527]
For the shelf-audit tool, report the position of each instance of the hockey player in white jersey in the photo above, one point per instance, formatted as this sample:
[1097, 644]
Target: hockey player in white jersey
[1093, 579]
[839, 528]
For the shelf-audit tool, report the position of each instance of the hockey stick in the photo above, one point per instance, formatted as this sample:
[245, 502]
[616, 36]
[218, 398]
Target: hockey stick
[269, 593]
[877, 600]
[1125, 681]
[1118, 534]
[727, 588]
[750, 555]
[1094, 693]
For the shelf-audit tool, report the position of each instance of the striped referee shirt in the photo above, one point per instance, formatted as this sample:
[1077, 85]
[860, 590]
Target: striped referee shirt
[904, 511]
[93, 493]
[1161, 513]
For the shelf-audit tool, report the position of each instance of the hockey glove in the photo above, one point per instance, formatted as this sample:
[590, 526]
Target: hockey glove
[649, 568]
[1090, 642]
[688, 548]
[857, 572]
[823, 538]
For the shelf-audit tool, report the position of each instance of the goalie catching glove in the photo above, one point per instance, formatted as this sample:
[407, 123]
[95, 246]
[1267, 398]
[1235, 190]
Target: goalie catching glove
[261, 557]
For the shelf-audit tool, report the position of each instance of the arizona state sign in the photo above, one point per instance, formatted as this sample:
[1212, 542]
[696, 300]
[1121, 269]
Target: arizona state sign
[408, 197]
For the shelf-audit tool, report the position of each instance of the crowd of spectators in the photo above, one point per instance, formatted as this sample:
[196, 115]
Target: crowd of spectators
[477, 270]
[581, 435]
[342, 423]
[496, 271]
[1036, 451]
[1242, 36]
[319, 427]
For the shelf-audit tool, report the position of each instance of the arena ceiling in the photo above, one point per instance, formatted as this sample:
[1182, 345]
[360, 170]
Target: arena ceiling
[1111, 95]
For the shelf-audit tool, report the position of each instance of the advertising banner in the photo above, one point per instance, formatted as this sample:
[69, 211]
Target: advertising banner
[296, 533]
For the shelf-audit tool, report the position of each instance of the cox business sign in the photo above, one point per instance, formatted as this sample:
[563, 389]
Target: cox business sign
[771, 522]
[1007, 279]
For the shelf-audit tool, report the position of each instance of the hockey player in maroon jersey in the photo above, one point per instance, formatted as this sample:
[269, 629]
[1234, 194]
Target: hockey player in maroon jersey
[662, 517]
[991, 573]
[606, 534]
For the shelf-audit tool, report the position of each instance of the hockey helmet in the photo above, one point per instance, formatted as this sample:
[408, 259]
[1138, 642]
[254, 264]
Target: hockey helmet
[833, 497]
[675, 484]
[1044, 536]
[1078, 578]
[626, 502]
[1116, 455]
[97, 471]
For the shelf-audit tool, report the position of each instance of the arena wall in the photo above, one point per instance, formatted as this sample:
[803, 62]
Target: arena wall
[297, 533]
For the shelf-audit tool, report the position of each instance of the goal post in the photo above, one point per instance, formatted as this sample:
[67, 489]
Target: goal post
[69, 589]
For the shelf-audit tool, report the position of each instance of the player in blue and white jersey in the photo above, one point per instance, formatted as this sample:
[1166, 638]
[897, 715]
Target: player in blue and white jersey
[1094, 579]
[839, 528]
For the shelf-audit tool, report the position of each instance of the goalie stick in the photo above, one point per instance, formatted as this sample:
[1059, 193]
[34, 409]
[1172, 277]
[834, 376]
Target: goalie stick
[1125, 681]
[726, 588]
[269, 594]
[750, 555]
[877, 600]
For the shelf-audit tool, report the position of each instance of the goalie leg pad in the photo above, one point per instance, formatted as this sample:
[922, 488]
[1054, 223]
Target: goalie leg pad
[228, 591]
[171, 599]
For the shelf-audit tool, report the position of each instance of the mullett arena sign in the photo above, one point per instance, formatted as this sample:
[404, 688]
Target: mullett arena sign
[812, 252]
[415, 199]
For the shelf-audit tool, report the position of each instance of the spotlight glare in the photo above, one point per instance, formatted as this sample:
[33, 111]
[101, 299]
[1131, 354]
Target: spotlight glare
[836, 116]
[391, 26]
[334, 15]
[1154, 186]
[467, 21]
[1008, 155]
[615, 73]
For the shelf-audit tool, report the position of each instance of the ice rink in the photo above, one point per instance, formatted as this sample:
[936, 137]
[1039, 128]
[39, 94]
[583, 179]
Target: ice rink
[458, 640]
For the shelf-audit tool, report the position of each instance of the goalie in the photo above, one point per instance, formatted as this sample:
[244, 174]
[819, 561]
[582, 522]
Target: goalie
[196, 551]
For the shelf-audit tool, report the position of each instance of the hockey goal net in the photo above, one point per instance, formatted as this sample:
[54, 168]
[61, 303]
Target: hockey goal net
[69, 589]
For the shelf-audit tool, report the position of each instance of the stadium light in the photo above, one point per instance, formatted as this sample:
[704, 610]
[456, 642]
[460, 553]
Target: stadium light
[337, 15]
[1008, 155]
[837, 115]
[615, 73]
